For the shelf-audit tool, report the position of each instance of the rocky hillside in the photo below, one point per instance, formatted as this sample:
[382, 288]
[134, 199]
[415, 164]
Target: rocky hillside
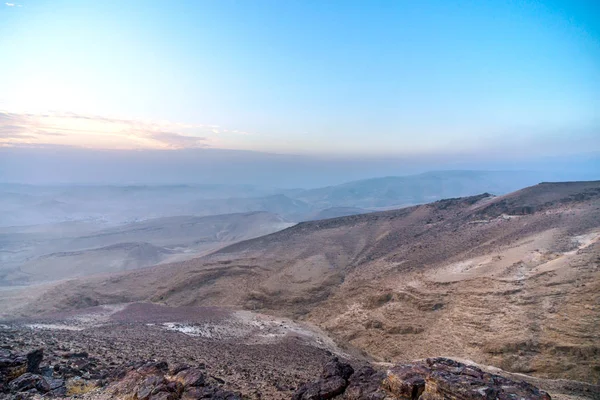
[28, 376]
[510, 281]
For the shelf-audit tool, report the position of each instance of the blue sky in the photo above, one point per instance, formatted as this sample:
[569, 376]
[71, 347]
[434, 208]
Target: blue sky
[310, 77]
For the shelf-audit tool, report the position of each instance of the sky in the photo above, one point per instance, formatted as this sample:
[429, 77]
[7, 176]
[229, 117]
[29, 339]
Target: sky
[338, 78]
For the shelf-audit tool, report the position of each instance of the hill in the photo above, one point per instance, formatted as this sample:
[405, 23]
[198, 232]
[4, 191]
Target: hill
[511, 281]
[52, 252]
[417, 189]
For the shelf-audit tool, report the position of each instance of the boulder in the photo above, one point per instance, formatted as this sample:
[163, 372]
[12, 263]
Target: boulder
[29, 381]
[406, 381]
[34, 358]
[335, 368]
[152, 381]
[11, 367]
[333, 382]
[366, 384]
[148, 385]
[190, 377]
[449, 378]
[432, 379]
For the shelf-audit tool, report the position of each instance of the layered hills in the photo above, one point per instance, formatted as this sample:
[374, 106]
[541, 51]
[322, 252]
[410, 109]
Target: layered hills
[52, 252]
[112, 204]
[511, 281]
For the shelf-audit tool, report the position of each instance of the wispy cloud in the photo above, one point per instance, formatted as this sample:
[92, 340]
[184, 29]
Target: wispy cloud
[10, 4]
[67, 129]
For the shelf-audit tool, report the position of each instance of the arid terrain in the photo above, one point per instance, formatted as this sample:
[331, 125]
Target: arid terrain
[51, 252]
[511, 282]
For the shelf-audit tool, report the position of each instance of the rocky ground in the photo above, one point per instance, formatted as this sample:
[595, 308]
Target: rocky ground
[146, 351]
[64, 373]
[238, 352]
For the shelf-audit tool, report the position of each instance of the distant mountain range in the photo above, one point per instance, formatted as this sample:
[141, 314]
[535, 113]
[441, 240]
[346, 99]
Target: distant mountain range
[30, 205]
[52, 252]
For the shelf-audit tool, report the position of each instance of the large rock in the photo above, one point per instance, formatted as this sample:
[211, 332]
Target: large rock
[334, 380]
[154, 381]
[366, 384]
[406, 381]
[11, 367]
[448, 378]
[34, 358]
[29, 381]
[190, 377]
[432, 379]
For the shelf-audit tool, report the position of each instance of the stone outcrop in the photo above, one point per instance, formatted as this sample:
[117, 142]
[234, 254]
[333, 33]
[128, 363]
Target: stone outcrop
[22, 378]
[432, 379]
[154, 381]
[334, 380]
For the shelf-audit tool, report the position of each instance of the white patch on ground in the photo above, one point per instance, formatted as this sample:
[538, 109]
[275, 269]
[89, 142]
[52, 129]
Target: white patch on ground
[53, 327]
[80, 322]
[253, 328]
[583, 241]
[211, 331]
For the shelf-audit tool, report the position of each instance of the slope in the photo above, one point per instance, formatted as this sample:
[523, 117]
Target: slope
[54, 252]
[511, 281]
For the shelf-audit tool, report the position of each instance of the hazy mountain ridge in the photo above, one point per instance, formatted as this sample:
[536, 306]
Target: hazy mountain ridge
[28, 205]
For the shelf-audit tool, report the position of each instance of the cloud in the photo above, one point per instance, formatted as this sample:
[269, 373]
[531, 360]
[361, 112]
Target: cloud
[179, 140]
[10, 4]
[68, 129]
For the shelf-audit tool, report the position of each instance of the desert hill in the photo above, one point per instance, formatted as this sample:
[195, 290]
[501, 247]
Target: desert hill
[51, 252]
[511, 281]
[418, 189]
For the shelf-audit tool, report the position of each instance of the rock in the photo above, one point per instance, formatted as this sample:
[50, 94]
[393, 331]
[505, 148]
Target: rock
[153, 367]
[194, 393]
[34, 358]
[163, 396]
[322, 389]
[54, 383]
[46, 371]
[191, 377]
[406, 381]
[462, 382]
[11, 367]
[334, 380]
[151, 381]
[178, 368]
[81, 354]
[432, 379]
[335, 368]
[365, 384]
[77, 386]
[29, 381]
[148, 385]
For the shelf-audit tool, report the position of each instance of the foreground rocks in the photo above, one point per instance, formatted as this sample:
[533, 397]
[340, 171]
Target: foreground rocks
[22, 378]
[432, 379]
[154, 381]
